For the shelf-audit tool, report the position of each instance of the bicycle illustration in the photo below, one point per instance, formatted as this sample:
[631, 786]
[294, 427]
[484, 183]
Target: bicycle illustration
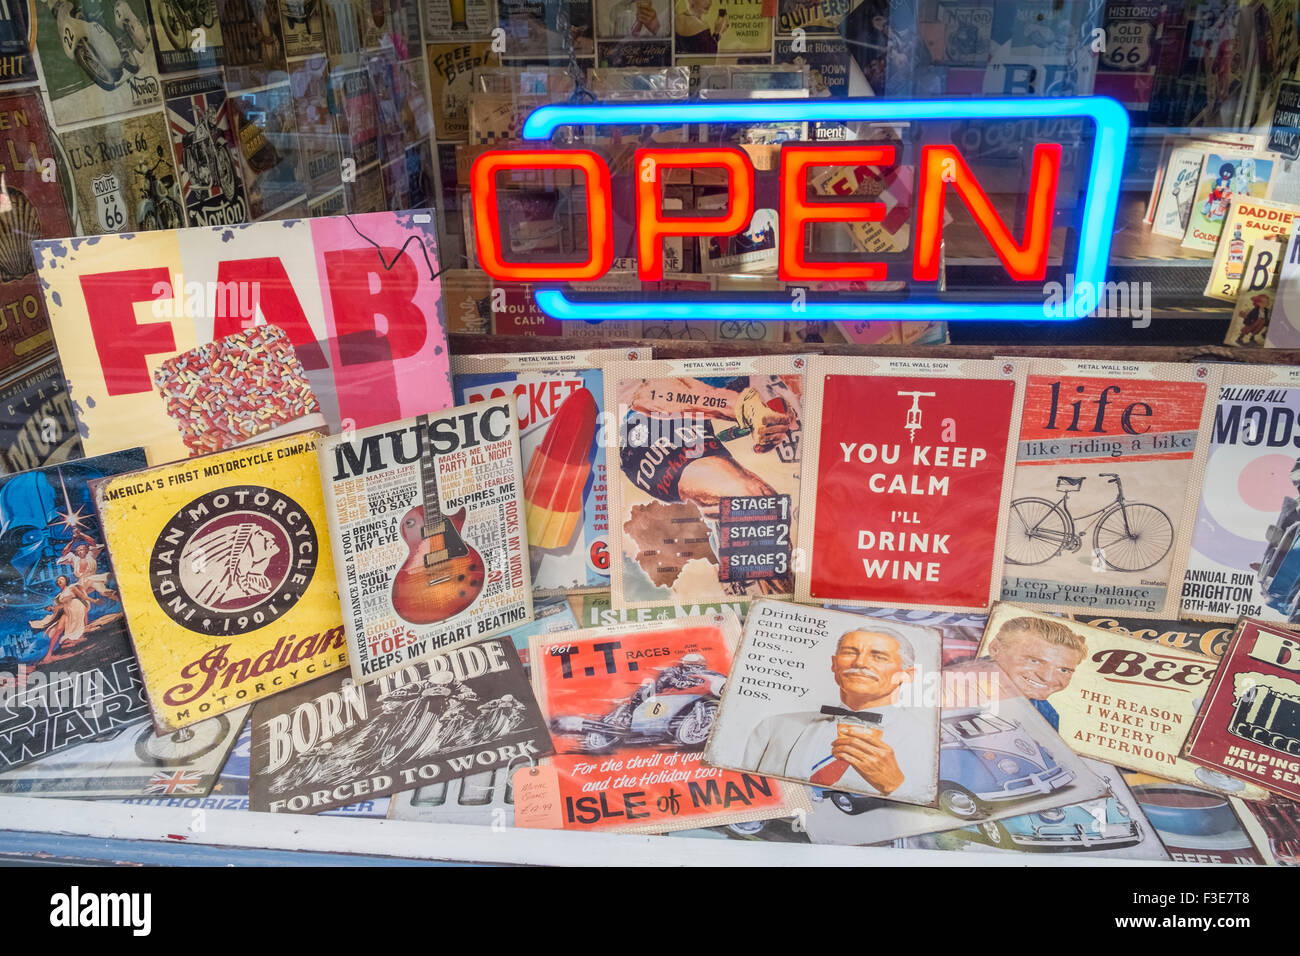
[1129, 535]
[748, 329]
[674, 330]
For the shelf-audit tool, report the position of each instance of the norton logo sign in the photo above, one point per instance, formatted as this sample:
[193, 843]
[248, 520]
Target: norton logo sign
[75, 908]
[941, 168]
[233, 560]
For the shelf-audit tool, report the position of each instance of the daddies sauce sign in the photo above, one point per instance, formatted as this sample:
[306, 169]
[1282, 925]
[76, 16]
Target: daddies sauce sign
[910, 474]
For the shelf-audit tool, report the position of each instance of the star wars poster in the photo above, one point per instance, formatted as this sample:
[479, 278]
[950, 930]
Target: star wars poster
[228, 576]
[97, 61]
[357, 296]
[868, 723]
[704, 501]
[998, 758]
[37, 424]
[558, 398]
[1108, 695]
[187, 35]
[67, 673]
[267, 133]
[1110, 827]
[1248, 725]
[205, 151]
[132, 761]
[33, 209]
[1103, 493]
[905, 477]
[332, 742]
[1245, 561]
[123, 178]
[429, 536]
[630, 709]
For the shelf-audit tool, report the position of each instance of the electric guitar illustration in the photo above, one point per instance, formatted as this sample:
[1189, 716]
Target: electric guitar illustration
[442, 575]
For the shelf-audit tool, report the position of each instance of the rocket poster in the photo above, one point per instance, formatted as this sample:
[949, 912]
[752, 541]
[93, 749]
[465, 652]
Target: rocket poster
[1103, 492]
[558, 400]
[911, 463]
[1245, 561]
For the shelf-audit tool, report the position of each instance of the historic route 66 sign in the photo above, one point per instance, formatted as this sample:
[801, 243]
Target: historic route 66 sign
[110, 204]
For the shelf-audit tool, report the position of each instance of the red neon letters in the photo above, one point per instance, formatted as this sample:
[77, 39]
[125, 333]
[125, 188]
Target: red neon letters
[939, 166]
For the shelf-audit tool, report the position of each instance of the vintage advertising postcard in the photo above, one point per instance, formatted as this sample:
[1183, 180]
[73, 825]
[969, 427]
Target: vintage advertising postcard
[722, 27]
[358, 297]
[1256, 293]
[814, 16]
[630, 709]
[253, 37]
[37, 424]
[1109, 695]
[1245, 551]
[317, 141]
[1195, 825]
[186, 36]
[1225, 174]
[1248, 725]
[302, 25]
[451, 67]
[558, 398]
[867, 724]
[905, 478]
[226, 576]
[998, 758]
[332, 742]
[1207, 639]
[704, 502]
[459, 18]
[1080, 537]
[33, 209]
[1173, 208]
[96, 66]
[633, 20]
[1112, 826]
[133, 761]
[67, 671]
[356, 116]
[429, 540]
[123, 179]
[204, 147]
[1248, 223]
[267, 132]
[1274, 826]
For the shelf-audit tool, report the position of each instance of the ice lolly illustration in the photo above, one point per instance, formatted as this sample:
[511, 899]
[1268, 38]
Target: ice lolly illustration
[558, 472]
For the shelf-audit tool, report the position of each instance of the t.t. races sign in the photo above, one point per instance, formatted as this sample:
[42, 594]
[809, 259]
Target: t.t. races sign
[1064, 202]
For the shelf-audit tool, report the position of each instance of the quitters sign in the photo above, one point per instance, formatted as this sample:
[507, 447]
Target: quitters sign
[939, 166]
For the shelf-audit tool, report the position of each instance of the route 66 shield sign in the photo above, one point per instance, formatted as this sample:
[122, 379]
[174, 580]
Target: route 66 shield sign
[110, 204]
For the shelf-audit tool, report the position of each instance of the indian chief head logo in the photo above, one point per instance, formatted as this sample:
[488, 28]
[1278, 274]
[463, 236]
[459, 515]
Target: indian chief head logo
[233, 560]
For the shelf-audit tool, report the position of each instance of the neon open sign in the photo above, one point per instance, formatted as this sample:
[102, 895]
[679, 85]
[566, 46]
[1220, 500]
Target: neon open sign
[940, 167]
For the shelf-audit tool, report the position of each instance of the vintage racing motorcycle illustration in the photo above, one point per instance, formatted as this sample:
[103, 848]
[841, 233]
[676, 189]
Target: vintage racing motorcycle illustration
[206, 156]
[107, 49]
[157, 208]
[180, 17]
[676, 707]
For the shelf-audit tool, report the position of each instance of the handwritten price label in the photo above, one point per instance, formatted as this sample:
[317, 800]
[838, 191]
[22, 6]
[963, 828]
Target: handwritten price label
[537, 798]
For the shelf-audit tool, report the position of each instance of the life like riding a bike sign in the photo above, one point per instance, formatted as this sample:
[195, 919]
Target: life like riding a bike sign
[1026, 227]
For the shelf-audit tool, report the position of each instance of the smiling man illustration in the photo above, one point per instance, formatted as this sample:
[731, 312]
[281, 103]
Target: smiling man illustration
[867, 742]
[1040, 657]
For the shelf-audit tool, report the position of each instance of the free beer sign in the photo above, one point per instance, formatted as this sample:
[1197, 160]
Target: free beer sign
[941, 169]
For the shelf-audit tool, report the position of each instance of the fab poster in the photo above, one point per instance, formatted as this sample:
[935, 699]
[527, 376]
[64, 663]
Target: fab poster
[630, 709]
[704, 502]
[906, 475]
[358, 297]
[557, 398]
[1103, 494]
[1245, 554]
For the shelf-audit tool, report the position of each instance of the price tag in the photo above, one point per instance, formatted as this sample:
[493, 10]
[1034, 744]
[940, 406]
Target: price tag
[537, 798]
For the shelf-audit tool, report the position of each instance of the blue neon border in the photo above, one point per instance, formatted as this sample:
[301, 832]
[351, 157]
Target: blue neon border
[1096, 227]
